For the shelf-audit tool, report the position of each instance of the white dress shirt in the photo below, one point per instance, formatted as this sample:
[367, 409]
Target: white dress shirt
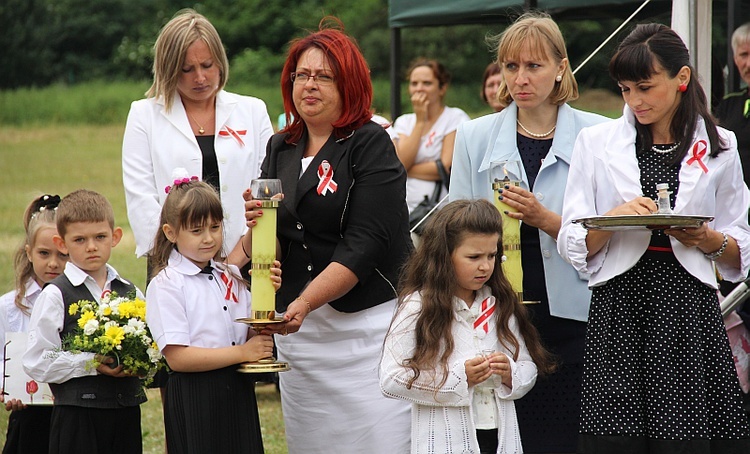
[44, 361]
[156, 142]
[604, 174]
[187, 307]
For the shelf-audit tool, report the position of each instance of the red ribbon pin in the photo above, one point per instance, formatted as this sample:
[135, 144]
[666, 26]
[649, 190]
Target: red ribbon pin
[488, 308]
[230, 295]
[700, 148]
[226, 131]
[325, 175]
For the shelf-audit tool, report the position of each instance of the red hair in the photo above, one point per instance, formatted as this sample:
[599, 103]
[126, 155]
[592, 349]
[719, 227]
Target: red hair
[350, 71]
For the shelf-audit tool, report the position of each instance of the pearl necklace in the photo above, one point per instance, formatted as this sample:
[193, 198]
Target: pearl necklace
[533, 134]
[665, 150]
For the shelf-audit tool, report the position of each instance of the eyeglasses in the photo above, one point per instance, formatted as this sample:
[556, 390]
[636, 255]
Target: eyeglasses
[320, 79]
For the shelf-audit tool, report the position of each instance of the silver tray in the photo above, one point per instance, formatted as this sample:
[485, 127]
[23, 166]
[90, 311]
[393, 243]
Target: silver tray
[646, 221]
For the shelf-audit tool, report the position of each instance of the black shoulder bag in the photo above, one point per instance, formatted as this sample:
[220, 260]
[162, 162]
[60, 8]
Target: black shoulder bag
[424, 208]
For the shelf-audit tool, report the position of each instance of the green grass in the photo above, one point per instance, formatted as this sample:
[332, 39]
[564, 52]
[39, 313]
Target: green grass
[58, 159]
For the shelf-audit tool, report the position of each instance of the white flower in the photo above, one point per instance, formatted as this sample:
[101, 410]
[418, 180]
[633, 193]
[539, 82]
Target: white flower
[90, 327]
[153, 354]
[135, 326]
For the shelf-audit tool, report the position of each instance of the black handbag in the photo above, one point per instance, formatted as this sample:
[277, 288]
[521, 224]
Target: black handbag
[425, 207]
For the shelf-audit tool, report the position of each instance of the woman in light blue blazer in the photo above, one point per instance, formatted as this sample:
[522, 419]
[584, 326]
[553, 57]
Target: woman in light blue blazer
[538, 128]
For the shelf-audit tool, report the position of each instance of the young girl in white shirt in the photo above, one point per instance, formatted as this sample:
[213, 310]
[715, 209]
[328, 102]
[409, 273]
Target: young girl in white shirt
[461, 347]
[37, 262]
[192, 304]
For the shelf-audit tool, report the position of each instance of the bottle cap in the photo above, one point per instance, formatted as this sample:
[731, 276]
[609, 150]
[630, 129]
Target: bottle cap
[662, 186]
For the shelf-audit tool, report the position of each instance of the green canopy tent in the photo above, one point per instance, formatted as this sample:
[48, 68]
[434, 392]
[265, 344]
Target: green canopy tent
[690, 18]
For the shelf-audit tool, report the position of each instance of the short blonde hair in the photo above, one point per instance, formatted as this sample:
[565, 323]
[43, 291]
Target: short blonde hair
[186, 27]
[83, 206]
[545, 40]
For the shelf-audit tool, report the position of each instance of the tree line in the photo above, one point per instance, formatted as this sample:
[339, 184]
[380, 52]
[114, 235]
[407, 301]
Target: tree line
[71, 41]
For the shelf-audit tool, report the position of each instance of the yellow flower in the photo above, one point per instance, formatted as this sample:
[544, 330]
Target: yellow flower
[106, 310]
[114, 335]
[73, 309]
[126, 309]
[85, 317]
[140, 308]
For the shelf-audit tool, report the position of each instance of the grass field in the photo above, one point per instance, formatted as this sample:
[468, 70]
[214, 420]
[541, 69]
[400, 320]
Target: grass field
[57, 160]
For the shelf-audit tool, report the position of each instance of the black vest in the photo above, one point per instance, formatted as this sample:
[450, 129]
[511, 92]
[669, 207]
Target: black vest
[95, 391]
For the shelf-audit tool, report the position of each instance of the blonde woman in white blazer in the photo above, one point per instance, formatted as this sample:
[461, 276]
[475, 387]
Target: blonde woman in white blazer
[658, 374]
[188, 121]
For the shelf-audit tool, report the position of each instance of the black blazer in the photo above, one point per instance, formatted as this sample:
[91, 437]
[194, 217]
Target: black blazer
[363, 225]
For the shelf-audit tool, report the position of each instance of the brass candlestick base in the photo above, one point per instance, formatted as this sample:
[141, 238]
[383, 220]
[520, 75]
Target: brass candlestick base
[259, 320]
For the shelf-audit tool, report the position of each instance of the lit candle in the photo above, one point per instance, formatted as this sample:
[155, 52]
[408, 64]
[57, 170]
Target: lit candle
[511, 228]
[264, 245]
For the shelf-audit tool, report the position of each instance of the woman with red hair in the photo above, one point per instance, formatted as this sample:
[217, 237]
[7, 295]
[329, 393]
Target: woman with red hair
[342, 235]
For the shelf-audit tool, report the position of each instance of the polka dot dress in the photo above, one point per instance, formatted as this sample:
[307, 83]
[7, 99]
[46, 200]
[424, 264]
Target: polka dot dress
[658, 364]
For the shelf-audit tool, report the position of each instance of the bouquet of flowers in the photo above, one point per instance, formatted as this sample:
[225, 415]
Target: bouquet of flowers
[115, 327]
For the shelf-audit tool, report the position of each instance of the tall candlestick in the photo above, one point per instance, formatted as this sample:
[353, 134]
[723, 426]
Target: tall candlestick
[511, 227]
[264, 246]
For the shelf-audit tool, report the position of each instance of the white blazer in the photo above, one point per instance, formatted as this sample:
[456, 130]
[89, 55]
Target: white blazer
[604, 173]
[156, 142]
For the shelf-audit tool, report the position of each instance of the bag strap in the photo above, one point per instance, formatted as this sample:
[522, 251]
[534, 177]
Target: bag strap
[445, 177]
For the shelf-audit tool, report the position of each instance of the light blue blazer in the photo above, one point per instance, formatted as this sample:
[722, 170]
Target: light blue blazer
[493, 138]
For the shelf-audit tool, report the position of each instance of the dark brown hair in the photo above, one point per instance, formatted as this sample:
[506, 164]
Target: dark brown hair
[636, 59]
[192, 204]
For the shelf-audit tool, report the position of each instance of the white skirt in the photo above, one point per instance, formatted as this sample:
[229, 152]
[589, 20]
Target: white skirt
[331, 397]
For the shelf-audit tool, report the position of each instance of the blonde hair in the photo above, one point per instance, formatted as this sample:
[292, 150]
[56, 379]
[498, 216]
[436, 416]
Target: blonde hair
[83, 206]
[39, 214]
[545, 41]
[186, 27]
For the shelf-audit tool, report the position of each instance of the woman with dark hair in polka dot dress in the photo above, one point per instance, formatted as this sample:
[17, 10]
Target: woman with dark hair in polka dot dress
[658, 372]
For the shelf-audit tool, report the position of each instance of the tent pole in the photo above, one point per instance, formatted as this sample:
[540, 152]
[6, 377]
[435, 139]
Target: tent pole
[733, 83]
[395, 70]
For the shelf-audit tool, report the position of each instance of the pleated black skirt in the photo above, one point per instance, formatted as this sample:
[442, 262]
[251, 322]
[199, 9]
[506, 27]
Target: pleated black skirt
[213, 411]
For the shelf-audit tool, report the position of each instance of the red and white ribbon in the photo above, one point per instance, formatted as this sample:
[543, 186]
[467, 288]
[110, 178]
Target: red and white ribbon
[226, 131]
[230, 295]
[487, 309]
[699, 150]
[430, 139]
[325, 175]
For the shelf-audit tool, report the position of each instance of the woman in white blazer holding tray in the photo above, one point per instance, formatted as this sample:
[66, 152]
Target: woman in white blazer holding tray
[658, 371]
[188, 121]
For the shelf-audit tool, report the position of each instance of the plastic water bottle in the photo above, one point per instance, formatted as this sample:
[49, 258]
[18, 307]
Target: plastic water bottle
[663, 192]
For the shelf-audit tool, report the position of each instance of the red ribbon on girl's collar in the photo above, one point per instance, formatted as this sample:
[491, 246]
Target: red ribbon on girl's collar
[230, 295]
[226, 131]
[325, 175]
[699, 150]
[487, 309]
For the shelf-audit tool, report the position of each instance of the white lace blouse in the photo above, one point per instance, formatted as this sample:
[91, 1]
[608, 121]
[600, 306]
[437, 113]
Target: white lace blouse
[442, 417]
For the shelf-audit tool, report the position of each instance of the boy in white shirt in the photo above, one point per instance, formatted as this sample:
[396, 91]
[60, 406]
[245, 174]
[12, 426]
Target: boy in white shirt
[96, 410]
